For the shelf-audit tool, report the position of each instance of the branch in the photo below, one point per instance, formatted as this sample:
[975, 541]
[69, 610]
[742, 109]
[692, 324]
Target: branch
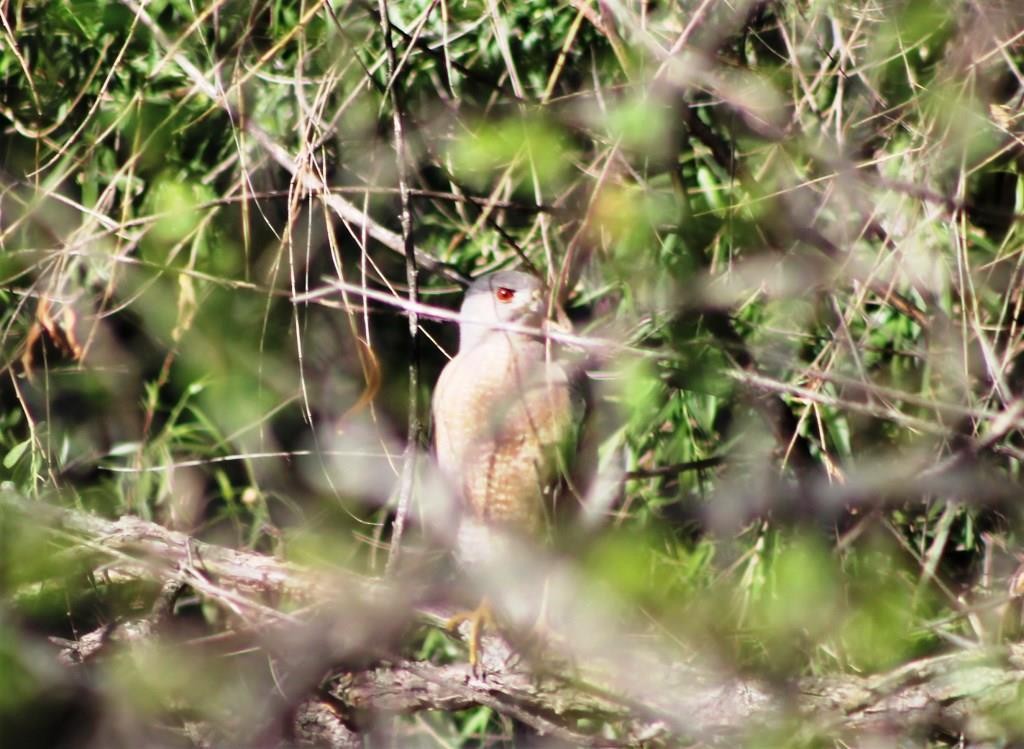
[656, 699]
[414, 435]
[303, 176]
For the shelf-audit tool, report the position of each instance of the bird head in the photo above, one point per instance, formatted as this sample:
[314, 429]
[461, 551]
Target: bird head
[507, 296]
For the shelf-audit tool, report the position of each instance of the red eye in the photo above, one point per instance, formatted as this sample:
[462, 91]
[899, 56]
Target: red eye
[504, 294]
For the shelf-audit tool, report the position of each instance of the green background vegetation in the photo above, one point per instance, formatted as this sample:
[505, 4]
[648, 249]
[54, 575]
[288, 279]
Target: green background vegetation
[803, 226]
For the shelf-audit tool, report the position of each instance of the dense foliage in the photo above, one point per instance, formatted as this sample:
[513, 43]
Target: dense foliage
[789, 231]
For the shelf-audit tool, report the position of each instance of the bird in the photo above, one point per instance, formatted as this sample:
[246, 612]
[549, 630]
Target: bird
[504, 417]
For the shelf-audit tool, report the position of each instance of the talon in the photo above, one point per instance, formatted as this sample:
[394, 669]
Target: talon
[480, 617]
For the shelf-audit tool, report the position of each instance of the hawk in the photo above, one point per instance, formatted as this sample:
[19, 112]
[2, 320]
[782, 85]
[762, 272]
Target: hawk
[504, 417]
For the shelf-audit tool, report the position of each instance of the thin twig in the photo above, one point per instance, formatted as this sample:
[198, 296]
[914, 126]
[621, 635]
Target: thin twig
[415, 427]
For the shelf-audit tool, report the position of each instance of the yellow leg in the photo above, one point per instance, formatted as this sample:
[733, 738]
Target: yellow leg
[478, 618]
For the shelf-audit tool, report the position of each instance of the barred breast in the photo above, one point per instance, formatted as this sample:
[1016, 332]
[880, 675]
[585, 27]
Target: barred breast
[500, 411]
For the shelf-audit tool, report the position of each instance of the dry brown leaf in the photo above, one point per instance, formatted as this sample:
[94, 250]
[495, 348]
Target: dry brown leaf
[61, 334]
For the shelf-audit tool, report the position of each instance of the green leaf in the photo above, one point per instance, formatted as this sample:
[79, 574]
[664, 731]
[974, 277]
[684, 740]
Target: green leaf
[15, 453]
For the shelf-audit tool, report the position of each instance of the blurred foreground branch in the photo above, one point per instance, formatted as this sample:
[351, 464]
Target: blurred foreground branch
[556, 699]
